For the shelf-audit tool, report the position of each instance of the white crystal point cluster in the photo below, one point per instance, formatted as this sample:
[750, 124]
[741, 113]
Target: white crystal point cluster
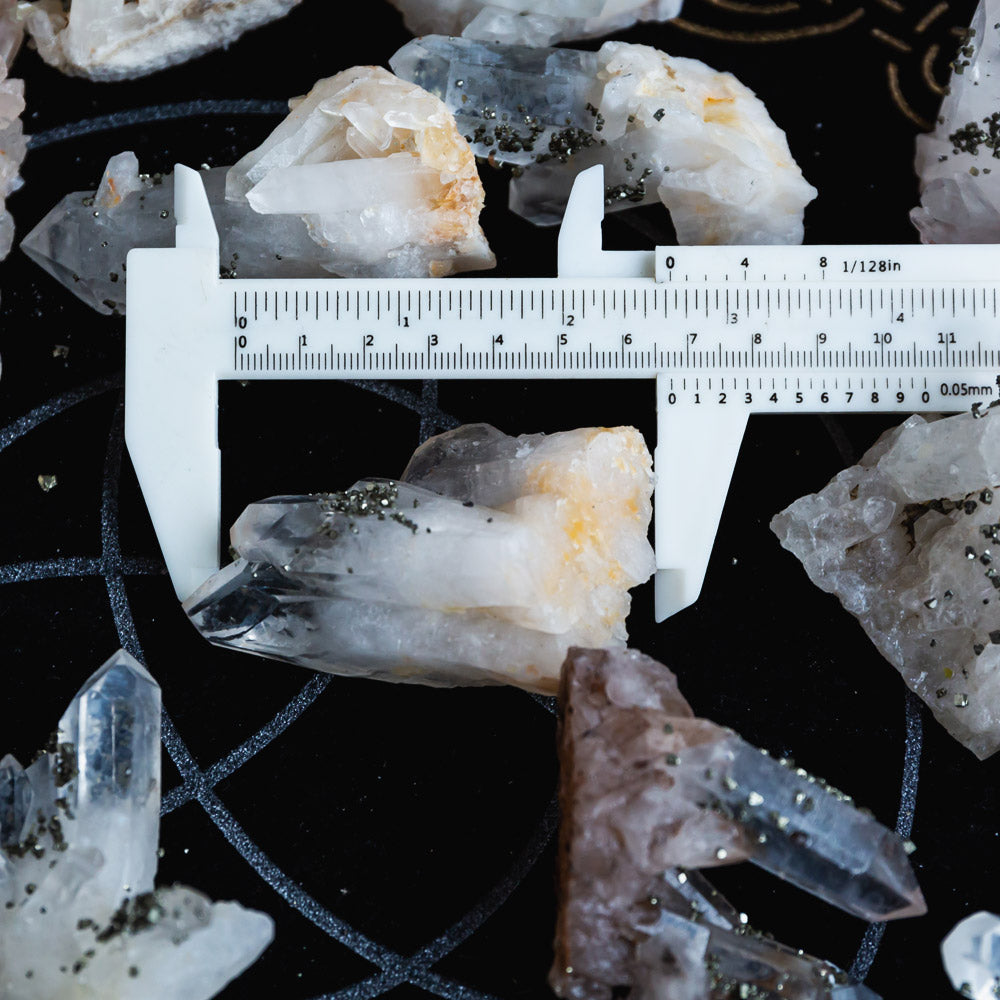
[663, 127]
[380, 174]
[530, 22]
[647, 791]
[909, 540]
[971, 955]
[959, 162]
[112, 40]
[13, 145]
[482, 565]
[79, 828]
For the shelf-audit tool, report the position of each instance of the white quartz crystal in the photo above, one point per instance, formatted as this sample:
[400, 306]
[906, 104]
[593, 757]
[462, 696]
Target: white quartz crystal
[909, 540]
[379, 172]
[489, 558]
[971, 954]
[12, 142]
[79, 828]
[959, 162]
[116, 40]
[663, 127]
[530, 22]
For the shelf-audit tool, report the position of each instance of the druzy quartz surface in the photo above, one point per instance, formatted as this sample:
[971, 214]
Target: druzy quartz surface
[13, 145]
[664, 127]
[79, 829]
[488, 558]
[647, 791]
[909, 541]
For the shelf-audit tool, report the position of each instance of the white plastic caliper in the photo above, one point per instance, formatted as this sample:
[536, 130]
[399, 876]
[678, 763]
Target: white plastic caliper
[724, 331]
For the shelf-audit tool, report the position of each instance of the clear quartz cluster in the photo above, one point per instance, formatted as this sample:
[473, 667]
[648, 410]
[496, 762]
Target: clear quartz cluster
[481, 565]
[663, 127]
[530, 22]
[648, 790]
[13, 145]
[367, 177]
[79, 828]
[909, 540]
[959, 162]
[112, 40]
[971, 955]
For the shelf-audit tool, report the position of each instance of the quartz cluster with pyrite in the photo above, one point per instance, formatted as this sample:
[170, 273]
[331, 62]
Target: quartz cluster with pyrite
[647, 792]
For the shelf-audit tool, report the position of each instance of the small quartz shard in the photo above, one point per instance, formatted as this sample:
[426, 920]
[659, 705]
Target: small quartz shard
[959, 162]
[79, 914]
[663, 127]
[13, 144]
[647, 790]
[379, 173]
[530, 22]
[906, 539]
[481, 565]
[111, 40]
[367, 177]
[971, 954]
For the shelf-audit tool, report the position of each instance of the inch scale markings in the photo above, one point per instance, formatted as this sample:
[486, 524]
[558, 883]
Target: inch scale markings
[723, 332]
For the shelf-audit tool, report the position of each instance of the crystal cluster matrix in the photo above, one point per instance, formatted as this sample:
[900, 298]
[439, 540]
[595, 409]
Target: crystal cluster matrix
[959, 162]
[971, 955]
[367, 177]
[13, 145]
[648, 791]
[663, 127]
[909, 540]
[530, 22]
[112, 40]
[483, 564]
[79, 828]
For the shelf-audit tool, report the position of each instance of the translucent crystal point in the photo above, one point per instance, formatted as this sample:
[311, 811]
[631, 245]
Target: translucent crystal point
[957, 162]
[79, 918]
[108, 40]
[662, 127]
[971, 954]
[647, 790]
[481, 567]
[907, 540]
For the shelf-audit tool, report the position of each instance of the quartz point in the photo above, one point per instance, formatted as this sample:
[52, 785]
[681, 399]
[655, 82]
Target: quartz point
[530, 22]
[481, 565]
[367, 177]
[79, 828]
[958, 163]
[663, 127]
[648, 791]
[909, 541]
[971, 954]
[109, 40]
[13, 144]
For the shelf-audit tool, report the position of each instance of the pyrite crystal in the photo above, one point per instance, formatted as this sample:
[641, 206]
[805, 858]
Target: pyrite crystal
[79, 828]
[647, 790]
[907, 540]
[13, 145]
[663, 127]
[111, 40]
[530, 22]
[959, 162]
[366, 177]
[481, 565]
[971, 955]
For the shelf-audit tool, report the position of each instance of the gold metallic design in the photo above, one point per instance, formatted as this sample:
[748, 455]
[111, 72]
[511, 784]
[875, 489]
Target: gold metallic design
[893, 5]
[742, 7]
[927, 70]
[932, 15]
[892, 71]
[757, 37]
[884, 36]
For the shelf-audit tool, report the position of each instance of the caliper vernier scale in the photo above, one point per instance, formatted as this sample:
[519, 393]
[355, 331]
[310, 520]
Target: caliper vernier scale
[723, 331]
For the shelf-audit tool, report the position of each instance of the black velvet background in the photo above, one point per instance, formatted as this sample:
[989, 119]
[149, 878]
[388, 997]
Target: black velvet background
[402, 837]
